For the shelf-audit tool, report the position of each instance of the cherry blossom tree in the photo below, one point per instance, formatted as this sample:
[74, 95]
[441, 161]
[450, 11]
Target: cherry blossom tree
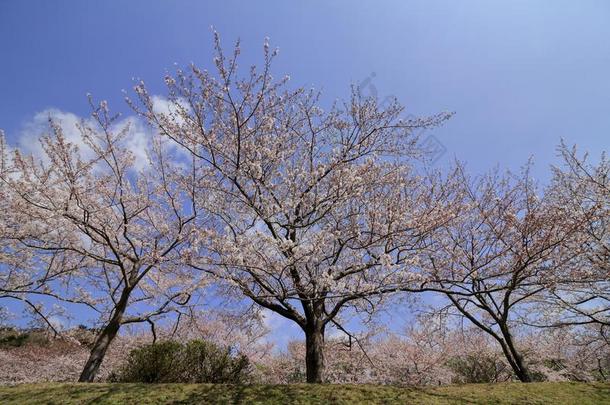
[22, 277]
[101, 233]
[494, 260]
[317, 211]
[580, 292]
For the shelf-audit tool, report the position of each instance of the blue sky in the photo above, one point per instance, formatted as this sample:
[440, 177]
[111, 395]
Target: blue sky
[519, 74]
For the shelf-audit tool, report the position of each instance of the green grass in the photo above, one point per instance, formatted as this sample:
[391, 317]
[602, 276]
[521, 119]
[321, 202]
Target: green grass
[509, 393]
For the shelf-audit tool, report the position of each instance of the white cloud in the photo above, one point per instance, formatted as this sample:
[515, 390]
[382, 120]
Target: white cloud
[57, 322]
[28, 142]
[281, 330]
[28, 138]
[162, 105]
[138, 140]
[335, 333]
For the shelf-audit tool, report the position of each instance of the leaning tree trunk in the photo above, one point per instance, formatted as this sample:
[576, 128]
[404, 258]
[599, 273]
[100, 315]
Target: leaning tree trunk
[524, 374]
[314, 353]
[103, 340]
[515, 358]
[519, 366]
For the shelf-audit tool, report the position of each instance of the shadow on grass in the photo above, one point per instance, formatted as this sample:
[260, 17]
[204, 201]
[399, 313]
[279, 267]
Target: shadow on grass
[511, 393]
[245, 394]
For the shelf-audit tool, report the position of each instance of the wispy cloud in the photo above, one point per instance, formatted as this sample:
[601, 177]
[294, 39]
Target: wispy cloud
[281, 330]
[28, 138]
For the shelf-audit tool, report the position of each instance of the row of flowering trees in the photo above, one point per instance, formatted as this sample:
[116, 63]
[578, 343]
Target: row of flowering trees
[315, 214]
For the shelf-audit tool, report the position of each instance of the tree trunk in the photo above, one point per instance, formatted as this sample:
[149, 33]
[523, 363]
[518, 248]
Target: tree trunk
[103, 340]
[521, 370]
[515, 358]
[314, 354]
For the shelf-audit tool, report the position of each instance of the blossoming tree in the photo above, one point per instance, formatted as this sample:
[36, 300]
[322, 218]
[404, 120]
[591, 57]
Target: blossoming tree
[494, 261]
[22, 276]
[580, 293]
[317, 211]
[100, 232]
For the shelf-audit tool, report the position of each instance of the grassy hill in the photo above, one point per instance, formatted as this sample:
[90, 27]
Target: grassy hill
[509, 393]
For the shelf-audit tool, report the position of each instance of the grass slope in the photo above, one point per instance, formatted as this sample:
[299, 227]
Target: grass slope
[509, 393]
